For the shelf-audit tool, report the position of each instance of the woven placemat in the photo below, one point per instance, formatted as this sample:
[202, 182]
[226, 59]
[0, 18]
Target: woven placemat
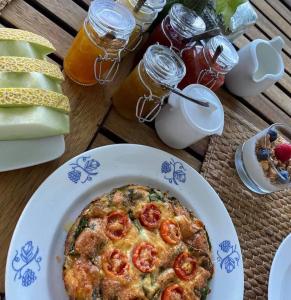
[261, 221]
[3, 3]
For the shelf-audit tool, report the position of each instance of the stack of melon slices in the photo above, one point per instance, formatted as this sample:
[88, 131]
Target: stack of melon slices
[31, 101]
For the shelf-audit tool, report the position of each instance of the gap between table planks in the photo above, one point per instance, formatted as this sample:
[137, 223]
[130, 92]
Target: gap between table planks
[281, 8]
[273, 16]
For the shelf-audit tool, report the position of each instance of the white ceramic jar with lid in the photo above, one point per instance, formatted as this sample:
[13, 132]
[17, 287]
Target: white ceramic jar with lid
[182, 123]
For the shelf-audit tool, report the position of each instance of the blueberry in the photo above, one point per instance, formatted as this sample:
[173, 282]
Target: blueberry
[284, 176]
[263, 154]
[273, 135]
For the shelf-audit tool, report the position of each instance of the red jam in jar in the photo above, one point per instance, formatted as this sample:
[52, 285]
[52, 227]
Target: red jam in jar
[202, 69]
[177, 29]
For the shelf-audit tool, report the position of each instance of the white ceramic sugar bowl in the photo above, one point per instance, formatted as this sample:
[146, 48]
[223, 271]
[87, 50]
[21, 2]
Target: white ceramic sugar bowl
[182, 123]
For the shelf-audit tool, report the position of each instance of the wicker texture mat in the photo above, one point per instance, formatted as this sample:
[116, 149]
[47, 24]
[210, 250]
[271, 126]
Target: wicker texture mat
[3, 3]
[261, 221]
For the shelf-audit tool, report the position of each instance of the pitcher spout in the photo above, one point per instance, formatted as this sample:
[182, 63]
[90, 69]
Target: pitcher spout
[277, 43]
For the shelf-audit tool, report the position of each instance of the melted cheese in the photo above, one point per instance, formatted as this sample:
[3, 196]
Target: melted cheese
[136, 280]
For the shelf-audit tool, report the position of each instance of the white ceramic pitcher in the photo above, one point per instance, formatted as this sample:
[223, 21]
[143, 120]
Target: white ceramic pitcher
[260, 66]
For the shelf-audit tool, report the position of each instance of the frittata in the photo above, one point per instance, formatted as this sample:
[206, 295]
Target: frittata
[137, 243]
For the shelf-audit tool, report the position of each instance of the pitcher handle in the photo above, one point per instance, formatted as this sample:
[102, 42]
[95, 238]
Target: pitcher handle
[277, 43]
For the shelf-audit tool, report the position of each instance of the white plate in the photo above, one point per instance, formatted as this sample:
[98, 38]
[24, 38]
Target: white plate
[25, 153]
[35, 257]
[280, 274]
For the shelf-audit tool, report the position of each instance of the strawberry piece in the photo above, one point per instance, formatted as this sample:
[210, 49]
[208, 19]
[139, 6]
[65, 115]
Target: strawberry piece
[283, 152]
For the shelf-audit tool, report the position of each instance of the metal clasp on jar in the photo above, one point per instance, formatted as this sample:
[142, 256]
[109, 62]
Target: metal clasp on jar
[140, 106]
[172, 47]
[208, 72]
[106, 76]
[214, 75]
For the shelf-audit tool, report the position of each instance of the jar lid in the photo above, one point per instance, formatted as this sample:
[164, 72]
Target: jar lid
[185, 21]
[228, 58]
[207, 121]
[147, 13]
[164, 65]
[107, 16]
[157, 5]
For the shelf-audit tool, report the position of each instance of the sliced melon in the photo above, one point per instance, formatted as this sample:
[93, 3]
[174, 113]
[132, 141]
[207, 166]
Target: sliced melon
[13, 97]
[27, 65]
[11, 34]
[24, 49]
[29, 80]
[32, 122]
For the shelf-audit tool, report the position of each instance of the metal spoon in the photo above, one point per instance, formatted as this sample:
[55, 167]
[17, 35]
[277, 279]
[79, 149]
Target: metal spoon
[199, 102]
[205, 35]
[139, 5]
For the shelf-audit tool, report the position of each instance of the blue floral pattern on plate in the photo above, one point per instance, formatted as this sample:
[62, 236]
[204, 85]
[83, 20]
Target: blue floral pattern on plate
[83, 169]
[174, 170]
[228, 256]
[26, 264]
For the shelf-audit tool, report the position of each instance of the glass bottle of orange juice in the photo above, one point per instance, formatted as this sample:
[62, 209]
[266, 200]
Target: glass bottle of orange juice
[96, 51]
[144, 17]
[142, 94]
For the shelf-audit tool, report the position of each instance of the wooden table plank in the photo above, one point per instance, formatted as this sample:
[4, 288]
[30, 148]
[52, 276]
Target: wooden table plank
[101, 140]
[236, 106]
[270, 111]
[24, 16]
[273, 16]
[281, 9]
[137, 133]
[280, 98]
[67, 10]
[267, 27]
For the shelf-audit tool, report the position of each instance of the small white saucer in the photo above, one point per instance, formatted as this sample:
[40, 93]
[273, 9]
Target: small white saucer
[280, 274]
[24, 153]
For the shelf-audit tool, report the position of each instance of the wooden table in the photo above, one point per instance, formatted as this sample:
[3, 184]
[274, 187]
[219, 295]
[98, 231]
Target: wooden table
[93, 121]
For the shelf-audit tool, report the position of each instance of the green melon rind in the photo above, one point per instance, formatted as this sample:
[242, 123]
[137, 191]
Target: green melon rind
[28, 65]
[23, 49]
[11, 34]
[32, 122]
[29, 80]
[23, 97]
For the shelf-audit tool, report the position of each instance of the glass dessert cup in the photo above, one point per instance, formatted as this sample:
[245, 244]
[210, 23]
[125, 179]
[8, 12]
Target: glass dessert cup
[263, 162]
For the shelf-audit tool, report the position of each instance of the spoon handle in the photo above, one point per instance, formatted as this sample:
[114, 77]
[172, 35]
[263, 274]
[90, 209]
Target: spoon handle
[175, 91]
[138, 5]
[206, 35]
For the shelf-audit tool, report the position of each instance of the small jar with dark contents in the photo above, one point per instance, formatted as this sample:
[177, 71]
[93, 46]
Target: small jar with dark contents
[177, 29]
[203, 68]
